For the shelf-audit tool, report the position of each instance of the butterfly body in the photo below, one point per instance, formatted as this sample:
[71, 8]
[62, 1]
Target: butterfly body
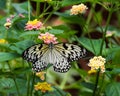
[60, 55]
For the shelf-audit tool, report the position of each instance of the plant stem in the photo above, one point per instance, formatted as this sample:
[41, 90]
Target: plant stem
[104, 34]
[33, 81]
[28, 84]
[49, 16]
[16, 86]
[96, 83]
[38, 9]
[100, 89]
[62, 85]
[89, 18]
[87, 24]
[9, 6]
[14, 79]
[29, 10]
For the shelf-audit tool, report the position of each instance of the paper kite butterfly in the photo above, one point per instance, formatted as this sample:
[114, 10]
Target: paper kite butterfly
[60, 55]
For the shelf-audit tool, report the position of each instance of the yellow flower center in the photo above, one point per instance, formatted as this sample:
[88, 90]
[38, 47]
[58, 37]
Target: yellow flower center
[34, 22]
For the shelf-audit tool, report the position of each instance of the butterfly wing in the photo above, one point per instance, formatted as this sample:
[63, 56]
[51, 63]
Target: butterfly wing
[66, 53]
[34, 55]
[60, 63]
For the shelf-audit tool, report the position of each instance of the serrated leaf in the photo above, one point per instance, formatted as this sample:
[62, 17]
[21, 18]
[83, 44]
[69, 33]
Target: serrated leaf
[113, 89]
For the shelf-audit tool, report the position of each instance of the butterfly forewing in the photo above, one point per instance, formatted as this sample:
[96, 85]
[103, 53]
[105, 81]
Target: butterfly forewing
[34, 54]
[60, 55]
[70, 51]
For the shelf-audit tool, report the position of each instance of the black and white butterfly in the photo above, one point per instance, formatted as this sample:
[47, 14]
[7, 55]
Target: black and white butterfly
[60, 55]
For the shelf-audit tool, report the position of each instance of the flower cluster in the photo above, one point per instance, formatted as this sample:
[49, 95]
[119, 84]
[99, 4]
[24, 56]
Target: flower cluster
[48, 38]
[2, 41]
[43, 87]
[33, 25]
[97, 62]
[41, 75]
[78, 9]
[9, 20]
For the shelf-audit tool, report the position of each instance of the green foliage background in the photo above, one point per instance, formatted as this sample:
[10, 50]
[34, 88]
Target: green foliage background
[16, 75]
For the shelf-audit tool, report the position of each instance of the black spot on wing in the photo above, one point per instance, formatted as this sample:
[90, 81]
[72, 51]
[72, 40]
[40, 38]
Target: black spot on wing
[65, 46]
[40, 47]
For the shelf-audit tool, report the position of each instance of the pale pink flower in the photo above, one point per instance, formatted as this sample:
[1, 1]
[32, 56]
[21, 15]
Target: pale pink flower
[35, 24]
[78, 9]
[8, 20]
[48, 38]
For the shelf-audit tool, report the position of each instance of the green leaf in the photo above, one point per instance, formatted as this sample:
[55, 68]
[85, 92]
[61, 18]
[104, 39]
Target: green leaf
[73, 19]
[56, 31]
[2, 4]
[4, 46]
[19, 47]
[92, 45]
[6, 83]
[113, 89]
[21, 7]
[30, 33]
[115, 71]
[88, 85]
[116, 58]
[72, 2]
[4, 56]
[111, 52]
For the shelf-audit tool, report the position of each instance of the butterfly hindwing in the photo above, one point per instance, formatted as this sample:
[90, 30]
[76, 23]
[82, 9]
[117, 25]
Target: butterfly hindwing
[60, 63]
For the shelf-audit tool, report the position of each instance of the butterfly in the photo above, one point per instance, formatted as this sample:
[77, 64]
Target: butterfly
[60, 55]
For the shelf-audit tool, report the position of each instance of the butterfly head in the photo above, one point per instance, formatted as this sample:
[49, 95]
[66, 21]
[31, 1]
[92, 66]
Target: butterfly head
[51, 45]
